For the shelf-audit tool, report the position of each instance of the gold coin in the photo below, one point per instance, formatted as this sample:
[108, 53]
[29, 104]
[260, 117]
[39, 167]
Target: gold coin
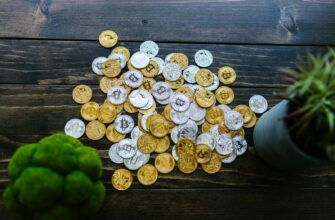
[106, 83]
[223, 128]
[213, 165]
[163, 144]
[106, 113]
[121, 82]
[166, 112]
[180, 59]
[214, 115]
[164, 163]
[204, 98]
[252, 121]
[95, 130]
[111, 68]
[206, 127]
[147, 84]
[118, 108]
[146, 143]
[151, 70]
[227, 75]
[158, 126]
[147, 174]
[82, 94]
[149, 110]
[224, 95]
[171, 126]
[128, 107]
[185, 146]
[203, 153]
[246, 112]
[113, 135]
[89, 111]
[122, 179]
[239, 132]
[187, 163]
[122, 50]
[204, 77]
[176, 84]
[186, 91]
[108, 38]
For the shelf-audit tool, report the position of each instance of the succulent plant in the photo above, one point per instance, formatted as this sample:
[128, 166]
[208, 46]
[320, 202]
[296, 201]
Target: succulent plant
[312, 104]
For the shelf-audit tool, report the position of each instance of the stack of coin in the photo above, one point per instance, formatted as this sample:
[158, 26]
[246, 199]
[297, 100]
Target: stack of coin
[191, 95]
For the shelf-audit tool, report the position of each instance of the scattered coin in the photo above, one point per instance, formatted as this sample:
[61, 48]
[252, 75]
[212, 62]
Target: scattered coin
[97, 65]
[89, 111]
[233, 120]
[147, 175]
[108, 38]
[227, 75]
[122, 179]
[127, 148]
[75, 128]
[149, 47]
[164, 163]
[258, 104]
[82, 94]
[134, 78]
[140, 60]
[171, 72]
[203, 58]
[113, 135]
[95, 130]
[189, 73]
[124, 124]
[117, 95]
[204, 77]
[113, 155]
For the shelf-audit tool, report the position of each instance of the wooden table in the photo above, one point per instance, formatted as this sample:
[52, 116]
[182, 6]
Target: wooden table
[46, 48]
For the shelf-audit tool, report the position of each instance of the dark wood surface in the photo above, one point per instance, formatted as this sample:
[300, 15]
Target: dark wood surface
[46, 48]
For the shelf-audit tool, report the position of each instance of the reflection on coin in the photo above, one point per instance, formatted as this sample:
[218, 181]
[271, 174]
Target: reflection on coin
[97, 65]
[240, 145]
[160, 63]
[119, 57]
[233, 120]
[164, 163]
[113, 155]
[133, 78]
[224, 145]
[147, 175]
[122, 179]
[149, 47]
[139, 98]
[140, 60]
[127, 148]
[258, 104]
[203, 58]
[117, 95]
[135, 162]
[124, 124]
[75, 128]
[179, 102]
[171, 72]
[189, 73]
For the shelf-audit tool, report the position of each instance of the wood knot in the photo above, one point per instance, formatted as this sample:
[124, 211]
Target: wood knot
[287, 21]
[144, 21]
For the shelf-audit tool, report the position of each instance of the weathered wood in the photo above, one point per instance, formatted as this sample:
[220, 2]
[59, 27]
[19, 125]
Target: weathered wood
[69, 62]
[256, 21]
[228, 203]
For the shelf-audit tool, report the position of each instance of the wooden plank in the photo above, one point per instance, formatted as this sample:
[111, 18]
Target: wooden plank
[69, 62]
[223, 21]
[215, 204]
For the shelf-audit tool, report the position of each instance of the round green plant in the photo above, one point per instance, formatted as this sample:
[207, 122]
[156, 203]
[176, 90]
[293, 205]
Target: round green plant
[56, 178]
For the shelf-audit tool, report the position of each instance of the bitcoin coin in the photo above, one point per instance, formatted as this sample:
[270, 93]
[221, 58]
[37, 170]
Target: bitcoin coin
[185, 146]
[146, 143]
[89, 111]
[108, 38]
[240, 145]
[180, 59]
[160, 62]
[134, 78]
[171, 72]
[189, 73]
[111, 68]
[179, 102]
[224, 95]
[147, 84]
[214, 115]
[163, 144]
[204, 98]
[75, 128]
[258, 104]
[138, 160]
[122, 179]
[224, 145]
[227, 75]
[164, 163]
[245, 111]
[140, 60]
[113, 155]
[186, 91]
[203, 58]
[106, 84]
[252, 122]
[97, 65]
[151, 70]
[149, 47]
[203, 153]
[187, 163]
[113, 135]
[204, 77]
[117, 95]
[213, 165]
[147, 175]
[233, 120]
[82, 94]
[127, 148]
[124, 124]
[122, 50]
[176, 84]
[119, 57]
[107, 113]
[95, 130]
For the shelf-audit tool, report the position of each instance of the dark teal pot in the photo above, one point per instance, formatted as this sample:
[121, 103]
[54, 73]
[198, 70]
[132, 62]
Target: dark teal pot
[274, 144]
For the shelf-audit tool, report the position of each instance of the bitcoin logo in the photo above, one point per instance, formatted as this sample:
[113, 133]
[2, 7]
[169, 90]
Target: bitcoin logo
[149, 67]
[124, 124]
[117, 94]
[161, 90]
[226, 74]
[180, 102]
[133, 78]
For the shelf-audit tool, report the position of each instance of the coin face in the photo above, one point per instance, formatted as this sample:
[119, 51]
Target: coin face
[107, 113]
[135, 162]
[106, 83]
[203, 58]
[111, 68]
[146, 143]
[163, 144]
[113, 155]
[180, 59]
[227, 75]
[134, 78]
[258, 104]
[82, 94]
[171, 72]
[127, 148]
[140, 60]
[214, 115]
[204, 98]
[224, 95]
[89, 111]
[151, 103]
[177, 83]
[149, 47]
[148, 83]
[161, 91]
[151, 70]
[117, 95]
[95, 130]
[75, 128]
[97, 65]
[108, 38]
[180, 102]
[113, 135]
[147, 175]
[124, 124]
[187, 163]
[179, 117]
[224, 145]
[203, 153]
[196, 113]
[185, 146]
[188, 130]
[122, 179]
[245, 111]
[252, 122]
[233, 120]
[240, 145]
[213, 165]
[160, 62]
[139, 98]
[164, 163]
[119, 57]
[204, 77]
[158, 127]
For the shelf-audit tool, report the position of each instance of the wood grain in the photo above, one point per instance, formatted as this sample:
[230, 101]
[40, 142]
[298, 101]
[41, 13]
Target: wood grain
[219, 21]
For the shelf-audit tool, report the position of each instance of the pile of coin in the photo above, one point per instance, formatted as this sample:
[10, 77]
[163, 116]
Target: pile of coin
[169, 107]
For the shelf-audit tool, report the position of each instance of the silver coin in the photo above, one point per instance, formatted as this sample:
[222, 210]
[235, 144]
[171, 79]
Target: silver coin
[233, 120]
[196, 112]
[200, 122]
[174, 153]
[174, 134]
[133, 78]
[224, 144]
[203, 58]
[195, 87]
[149, 47]
[240, 145]
[139, 98]
[135, 133]
[150, 102]
[214, 131]
[113, 155]
[188, 130]
[231, 157]
[179, 117]
[117, 95]
[139, 60]
[161, 90]
[206, 138]
[179, 102]
[160, 63]
[214, 85]
[225, 108]
[75, 128]
[135, 162]
[97, 65]
[258, 104]
[164, 101]
[124, 124]
[171, 72]
[127, 148]
[120, 57]
[144, 120]
[168, 57]
[189, 73]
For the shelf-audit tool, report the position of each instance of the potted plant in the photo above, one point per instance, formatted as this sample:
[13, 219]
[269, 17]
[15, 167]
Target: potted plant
[299, 131]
